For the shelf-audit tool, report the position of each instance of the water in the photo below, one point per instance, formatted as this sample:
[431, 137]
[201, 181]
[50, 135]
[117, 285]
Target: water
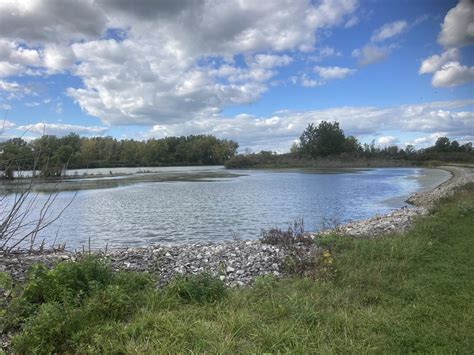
[225, 208]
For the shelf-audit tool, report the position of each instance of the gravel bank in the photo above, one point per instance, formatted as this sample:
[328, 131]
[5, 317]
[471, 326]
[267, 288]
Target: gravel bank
[237, 263]
[401, 219]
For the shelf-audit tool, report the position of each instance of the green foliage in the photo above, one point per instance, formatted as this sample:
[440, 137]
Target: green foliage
[198, 288]
[56, 306]
[51, 155]
[325, 139]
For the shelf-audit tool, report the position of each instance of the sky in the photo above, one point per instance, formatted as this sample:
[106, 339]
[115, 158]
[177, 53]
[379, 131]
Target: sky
[258, 72]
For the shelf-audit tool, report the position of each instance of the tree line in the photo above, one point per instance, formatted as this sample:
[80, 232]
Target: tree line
[327, 141]
[50, 154]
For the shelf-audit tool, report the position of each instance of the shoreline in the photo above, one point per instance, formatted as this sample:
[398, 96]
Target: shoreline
[238, 262]
[401, 219]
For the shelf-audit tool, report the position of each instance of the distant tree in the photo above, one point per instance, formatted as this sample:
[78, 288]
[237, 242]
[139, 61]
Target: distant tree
[442, 144]
[467, 147]
[325, 139]
[410, 150]
[455, 147]
[352, 145]
[14, 155]
[295, 149]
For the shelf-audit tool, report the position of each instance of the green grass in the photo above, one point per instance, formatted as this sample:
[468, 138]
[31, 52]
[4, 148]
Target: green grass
[398, 294]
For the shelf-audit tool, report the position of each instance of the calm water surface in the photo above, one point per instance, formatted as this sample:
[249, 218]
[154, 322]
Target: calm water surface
[219, 209]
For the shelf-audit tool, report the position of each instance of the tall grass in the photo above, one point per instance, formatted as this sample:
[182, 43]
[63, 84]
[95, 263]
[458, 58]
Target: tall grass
[397, 294]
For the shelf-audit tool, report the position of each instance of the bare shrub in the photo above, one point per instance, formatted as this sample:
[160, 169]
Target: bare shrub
[287, 238]
[23, 214]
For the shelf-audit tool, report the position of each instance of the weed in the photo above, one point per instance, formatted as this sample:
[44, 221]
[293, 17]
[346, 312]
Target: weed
[292, 236]
[198, 288]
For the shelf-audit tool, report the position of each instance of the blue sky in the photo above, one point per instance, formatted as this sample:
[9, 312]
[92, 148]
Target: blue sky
[397, 72]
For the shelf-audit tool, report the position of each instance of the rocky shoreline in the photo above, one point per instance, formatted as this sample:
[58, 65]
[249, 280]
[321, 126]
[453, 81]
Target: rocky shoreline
[237, 263]
[401, 219]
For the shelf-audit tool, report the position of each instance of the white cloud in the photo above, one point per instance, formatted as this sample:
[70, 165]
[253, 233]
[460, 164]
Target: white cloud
[387, 140]
[13, 87]
[9, 69]
[436, 62]
[280, 129]
[373, 52]
[324, 53]
[58, 58]
[61, 129]
[426, 141]
[5, 124]
[14, 58]
[370, 53]
[453, 74]
[330, 73]
[458, 26]
[152, 74]
[40, 21]
[457, 30]
[354, 20]
[389, 30]
[307, 82]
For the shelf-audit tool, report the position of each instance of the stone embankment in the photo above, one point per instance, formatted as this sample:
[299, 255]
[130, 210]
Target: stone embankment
[237, 263]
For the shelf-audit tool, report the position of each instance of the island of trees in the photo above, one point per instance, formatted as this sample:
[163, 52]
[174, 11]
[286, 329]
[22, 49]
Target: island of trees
[50, 155]
[326, 145]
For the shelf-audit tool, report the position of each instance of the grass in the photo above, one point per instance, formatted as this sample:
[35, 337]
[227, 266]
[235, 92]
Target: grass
[399, 294]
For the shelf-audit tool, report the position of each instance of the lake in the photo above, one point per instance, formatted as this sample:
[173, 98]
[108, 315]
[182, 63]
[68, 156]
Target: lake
[223, 208]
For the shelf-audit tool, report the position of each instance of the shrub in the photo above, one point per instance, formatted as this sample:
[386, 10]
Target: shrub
[59, 308]
[287, 238]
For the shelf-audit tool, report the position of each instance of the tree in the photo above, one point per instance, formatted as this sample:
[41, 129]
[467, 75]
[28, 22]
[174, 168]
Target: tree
[325, 139]
[352, 145]
[15, 154]
[442, 144]
[295, 149]
[410, 150]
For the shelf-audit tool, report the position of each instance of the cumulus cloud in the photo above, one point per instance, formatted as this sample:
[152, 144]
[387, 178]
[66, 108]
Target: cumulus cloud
[186, 67]
[57, 59]
[370, 53]
[61, 129]
[457, 30]
[389, 30]
[453, 74]
[15, 58]
[150, 74]
[50, 21]
[279, 130]
[436, 62]
[458, 26]
[330, 73]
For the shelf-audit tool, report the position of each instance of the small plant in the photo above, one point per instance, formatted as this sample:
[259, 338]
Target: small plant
[200, 288]
[292, 236]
